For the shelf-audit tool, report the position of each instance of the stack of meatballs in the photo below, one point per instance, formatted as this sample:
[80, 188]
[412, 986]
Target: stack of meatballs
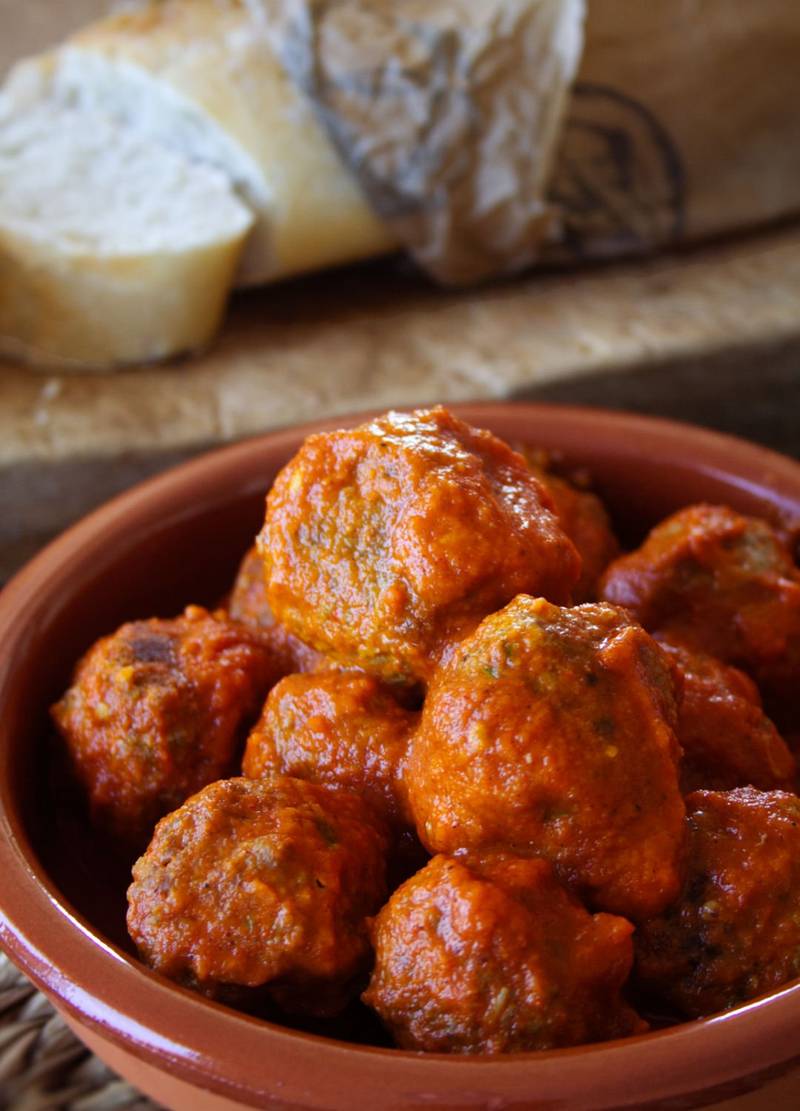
[509, 787]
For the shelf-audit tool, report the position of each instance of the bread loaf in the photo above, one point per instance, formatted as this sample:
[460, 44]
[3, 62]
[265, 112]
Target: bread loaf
[187, 95]
[200, 76]
[148, 165]
[113, 249]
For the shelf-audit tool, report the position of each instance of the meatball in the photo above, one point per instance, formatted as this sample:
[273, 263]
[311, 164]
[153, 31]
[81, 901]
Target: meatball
[584, 519]
[159, 709]
[490, 955]
[248, 604]
[384, 543]
[727, 739]
[262, 884]
[338, 728]
[723, 584]
[735, 932]
[550, 732]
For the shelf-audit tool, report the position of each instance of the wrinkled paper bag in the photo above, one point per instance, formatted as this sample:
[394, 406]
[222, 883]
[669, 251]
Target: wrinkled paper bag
[683, 121]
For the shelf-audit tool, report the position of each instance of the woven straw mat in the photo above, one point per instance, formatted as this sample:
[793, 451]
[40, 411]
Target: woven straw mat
[43, 1066]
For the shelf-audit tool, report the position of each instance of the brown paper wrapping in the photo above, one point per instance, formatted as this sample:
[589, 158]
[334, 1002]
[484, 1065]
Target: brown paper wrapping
[684, 124]
[447, 111]
[684, 121]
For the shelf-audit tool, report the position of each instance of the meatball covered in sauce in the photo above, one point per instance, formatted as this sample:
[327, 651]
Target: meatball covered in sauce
[584, 519]
[257, 884]
[385, 543]
[339, 728]
[158, 710]
[248, 603]
[727, 739]
[724, 584]
[735, 932]
[551, 732]
[490, 955]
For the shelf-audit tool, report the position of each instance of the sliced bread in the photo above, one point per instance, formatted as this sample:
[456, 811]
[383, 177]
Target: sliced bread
[201, 77]
[113, 249]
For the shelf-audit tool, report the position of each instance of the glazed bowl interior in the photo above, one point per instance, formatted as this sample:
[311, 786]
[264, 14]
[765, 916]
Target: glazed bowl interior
[178, 539]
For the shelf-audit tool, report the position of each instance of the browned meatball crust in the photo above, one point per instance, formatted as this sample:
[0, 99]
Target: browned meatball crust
[724, 584]
[385, 543]
[550, 732]
[727, 739]
[158, 710]
[585, 520]
[735, 932]
[339, 728]
[248, 603]
[491, 955]
[262, 882]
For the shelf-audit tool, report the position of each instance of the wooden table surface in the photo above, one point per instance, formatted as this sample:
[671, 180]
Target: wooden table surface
[710, 335]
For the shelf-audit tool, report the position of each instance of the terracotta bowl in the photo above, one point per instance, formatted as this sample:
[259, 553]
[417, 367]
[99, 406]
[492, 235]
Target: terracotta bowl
[177, 539]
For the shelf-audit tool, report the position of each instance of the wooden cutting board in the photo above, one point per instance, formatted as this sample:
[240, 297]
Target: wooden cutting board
[712, 335]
